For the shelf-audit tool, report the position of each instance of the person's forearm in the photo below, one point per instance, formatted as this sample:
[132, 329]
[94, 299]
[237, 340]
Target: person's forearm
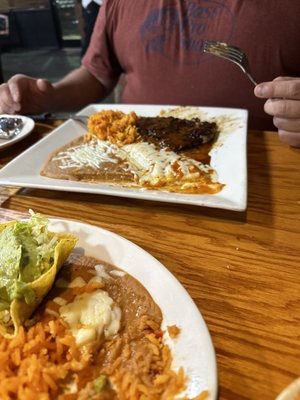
[76, 90]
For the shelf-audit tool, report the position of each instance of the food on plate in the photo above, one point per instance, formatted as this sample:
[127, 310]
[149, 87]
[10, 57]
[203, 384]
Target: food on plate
[176, 134]
[10, 127]
[96, 336]
[160, 153]
[173, 330]
[30, 257]
[114, 126]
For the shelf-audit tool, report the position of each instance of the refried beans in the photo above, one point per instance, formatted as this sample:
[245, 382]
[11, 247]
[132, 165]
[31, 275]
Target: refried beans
[155, 153]
[126, 360]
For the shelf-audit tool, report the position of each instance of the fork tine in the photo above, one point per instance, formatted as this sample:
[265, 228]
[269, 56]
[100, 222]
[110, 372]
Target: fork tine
[233, 52]
[220, 45]
[223, 49]
[226, 52]
[229, 52]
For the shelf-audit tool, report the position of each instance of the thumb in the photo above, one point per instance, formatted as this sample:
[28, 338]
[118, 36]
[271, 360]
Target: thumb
[43, 85]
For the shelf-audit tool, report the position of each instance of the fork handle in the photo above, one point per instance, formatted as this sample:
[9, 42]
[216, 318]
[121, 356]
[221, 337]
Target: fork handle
[251, 78]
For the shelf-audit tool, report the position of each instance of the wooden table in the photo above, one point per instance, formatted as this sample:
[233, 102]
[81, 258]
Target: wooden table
[241, 269]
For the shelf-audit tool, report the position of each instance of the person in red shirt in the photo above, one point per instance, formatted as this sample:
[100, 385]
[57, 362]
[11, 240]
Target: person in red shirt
[158, 47]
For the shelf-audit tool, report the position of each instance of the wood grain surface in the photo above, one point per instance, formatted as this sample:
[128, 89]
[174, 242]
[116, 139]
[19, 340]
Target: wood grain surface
[241, 269]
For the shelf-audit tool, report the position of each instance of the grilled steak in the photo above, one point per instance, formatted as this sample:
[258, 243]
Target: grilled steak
[175, 133]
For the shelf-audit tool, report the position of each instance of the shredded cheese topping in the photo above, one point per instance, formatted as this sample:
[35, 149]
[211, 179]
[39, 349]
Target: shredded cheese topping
[149, 164]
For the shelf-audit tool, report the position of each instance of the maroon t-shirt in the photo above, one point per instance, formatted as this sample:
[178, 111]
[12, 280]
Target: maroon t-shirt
[158, 45]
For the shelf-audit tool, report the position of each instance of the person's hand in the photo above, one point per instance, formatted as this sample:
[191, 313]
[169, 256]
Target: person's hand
[25, 95]
[283, 103]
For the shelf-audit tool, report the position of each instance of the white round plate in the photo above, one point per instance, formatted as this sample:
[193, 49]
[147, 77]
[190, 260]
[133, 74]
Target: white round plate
[291, 392]
[25, 131]
[193, 349]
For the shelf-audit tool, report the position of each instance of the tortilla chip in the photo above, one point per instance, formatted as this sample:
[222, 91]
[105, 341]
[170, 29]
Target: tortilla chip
[20, 311]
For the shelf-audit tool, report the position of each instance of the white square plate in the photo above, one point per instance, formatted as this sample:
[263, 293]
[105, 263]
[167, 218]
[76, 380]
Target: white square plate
[228, 158]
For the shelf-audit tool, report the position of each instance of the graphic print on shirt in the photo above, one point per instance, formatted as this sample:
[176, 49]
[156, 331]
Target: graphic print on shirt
[177, 31]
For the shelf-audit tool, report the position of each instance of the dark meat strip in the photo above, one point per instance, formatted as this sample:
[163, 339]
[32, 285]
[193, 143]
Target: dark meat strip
[175, 133]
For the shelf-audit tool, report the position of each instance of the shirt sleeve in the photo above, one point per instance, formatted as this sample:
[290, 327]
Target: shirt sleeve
[100, 59]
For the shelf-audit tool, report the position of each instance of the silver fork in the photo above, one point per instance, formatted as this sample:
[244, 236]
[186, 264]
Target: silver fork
[82, 119]
[231, 53]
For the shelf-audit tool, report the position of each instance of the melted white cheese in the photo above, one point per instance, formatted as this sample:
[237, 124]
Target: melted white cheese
[96, 279]
[118, 273]
[77, 282]
[51, 312]
[60, 301]
[92, 316]
[153, 165]
[90, 154]
[148, 163]
[101, 272]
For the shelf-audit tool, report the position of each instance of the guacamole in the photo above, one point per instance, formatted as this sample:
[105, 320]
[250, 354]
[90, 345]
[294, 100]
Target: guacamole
[26, 252]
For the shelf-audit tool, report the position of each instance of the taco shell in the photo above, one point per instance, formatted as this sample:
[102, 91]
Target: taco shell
[20, 311]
